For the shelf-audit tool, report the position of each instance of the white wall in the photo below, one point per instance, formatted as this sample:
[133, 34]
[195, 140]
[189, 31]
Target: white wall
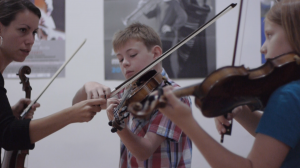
[91, 145]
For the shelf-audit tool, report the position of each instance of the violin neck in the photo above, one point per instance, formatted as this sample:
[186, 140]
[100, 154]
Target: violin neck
[187, 91]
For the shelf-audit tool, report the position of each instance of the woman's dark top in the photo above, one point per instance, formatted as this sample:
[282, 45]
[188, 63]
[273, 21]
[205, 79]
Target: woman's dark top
[14, 134]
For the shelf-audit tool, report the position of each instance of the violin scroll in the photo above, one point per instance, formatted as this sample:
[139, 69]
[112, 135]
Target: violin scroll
[24, 80]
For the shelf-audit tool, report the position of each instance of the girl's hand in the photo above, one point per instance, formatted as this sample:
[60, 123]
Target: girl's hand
[220, 121]
[175, 109]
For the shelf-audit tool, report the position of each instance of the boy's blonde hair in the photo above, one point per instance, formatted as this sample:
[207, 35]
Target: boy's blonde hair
[286, 13]
[139, 32]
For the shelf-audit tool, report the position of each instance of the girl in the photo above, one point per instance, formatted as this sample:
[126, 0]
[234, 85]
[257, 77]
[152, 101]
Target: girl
[277, 130]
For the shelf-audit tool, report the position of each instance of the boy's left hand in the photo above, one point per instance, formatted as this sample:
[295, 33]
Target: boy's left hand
[19, 107]
[112, 103]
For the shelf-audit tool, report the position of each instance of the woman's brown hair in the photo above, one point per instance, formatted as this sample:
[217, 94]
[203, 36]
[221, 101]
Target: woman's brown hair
[9, 9]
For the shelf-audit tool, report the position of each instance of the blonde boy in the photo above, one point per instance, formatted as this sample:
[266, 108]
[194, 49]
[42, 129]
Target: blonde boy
[154, 142]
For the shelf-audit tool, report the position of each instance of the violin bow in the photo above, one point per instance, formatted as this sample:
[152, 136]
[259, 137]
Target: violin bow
[171, 50]
[228, 128]
[52, 79]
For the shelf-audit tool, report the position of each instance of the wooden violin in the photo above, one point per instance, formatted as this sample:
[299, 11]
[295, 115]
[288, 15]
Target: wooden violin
[16, 158]
[136, 92]
[119, 113]
[230, 87]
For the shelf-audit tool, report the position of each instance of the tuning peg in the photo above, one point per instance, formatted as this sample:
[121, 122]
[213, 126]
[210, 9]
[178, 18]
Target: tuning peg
[113, 130]
[110, 123]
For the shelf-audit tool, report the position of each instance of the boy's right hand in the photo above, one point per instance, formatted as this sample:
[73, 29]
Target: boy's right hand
[84, 111]
[96, 90]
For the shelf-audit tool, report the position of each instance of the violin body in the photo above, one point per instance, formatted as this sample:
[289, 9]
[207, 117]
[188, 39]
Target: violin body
[14, 159]
[139, 91]
[230, 87]
[144, 86]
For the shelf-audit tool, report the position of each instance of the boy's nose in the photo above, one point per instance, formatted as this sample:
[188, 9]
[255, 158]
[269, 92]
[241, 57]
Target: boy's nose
[126, 62]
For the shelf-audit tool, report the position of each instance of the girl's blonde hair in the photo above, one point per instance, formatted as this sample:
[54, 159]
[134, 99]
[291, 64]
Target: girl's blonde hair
[286, 13]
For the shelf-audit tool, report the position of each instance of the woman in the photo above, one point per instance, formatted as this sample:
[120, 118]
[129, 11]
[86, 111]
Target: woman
[18, 25]
[277, 130]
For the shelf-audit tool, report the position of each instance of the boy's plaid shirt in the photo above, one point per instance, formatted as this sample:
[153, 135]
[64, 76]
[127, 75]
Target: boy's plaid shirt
[174, 152]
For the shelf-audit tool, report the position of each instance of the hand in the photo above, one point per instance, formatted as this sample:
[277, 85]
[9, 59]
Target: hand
[165, 29]
[220, 121]
[112, 103]
[85, 111]
[20, 106]
[175, 109]
[96, 90]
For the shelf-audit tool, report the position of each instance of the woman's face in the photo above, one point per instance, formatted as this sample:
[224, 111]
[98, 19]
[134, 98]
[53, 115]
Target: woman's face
[276, 41]
[18, 37]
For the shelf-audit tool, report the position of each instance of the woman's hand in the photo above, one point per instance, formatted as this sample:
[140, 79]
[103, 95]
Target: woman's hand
[20, 106]
[85, 110]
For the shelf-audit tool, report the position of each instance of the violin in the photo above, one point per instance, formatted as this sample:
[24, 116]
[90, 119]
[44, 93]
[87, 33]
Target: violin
[135, 85]
[230, 87]
[16, 158]
[137, 91]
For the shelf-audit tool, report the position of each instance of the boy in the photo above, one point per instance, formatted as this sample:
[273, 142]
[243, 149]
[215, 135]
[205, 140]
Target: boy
[155, 141]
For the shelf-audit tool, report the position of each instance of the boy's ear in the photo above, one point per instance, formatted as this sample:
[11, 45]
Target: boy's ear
[157, 51]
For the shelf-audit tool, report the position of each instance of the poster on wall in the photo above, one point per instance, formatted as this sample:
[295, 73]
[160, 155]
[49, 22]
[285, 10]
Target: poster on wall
[265, 6]
[48, 52]
[173, 21]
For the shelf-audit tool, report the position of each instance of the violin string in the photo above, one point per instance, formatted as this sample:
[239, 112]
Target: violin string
[124, 97]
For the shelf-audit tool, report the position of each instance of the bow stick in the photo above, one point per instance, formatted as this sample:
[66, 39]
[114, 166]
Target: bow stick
[52, 79]
[171, 50]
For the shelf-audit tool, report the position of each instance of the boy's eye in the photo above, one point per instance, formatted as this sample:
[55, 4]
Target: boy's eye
[120, 60]
[133, 55]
